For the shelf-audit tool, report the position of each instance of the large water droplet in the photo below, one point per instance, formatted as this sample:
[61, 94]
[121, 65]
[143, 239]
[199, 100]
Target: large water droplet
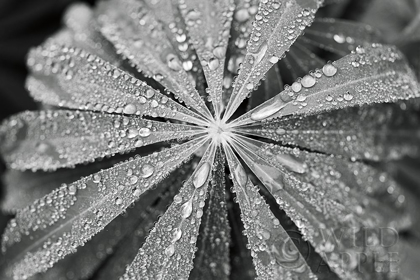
[201, 175]
[259, 55]
[144, 132]
[186, 209]
[241, 176]
[308, 81]
[170, 250]
[130, 109]
[329, 70]
[147, 170]
[268, 110]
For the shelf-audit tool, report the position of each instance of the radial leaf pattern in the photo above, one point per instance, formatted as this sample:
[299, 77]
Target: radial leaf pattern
[313, 147]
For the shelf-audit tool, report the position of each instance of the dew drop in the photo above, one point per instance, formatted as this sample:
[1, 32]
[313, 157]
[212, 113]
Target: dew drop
[130, 109]
[72, 190]
[213, 63]
[329, 70]
[144, 132]
[118, 201]
[259, 55]
[176, 234]
[308, 81]
[268, 110]
[296, 86]
[132, 132]
[170, 250]
[147, 170]
[201, 175]
[186, 209]
[280, 131]
[347, 96]
[241, 176]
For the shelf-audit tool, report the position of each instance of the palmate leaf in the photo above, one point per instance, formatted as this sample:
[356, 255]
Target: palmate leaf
[325, 222]
[383, 131]
[275, 256]
[49, 140]
[57, 224]
[140, 37]
[371, 74]
[325, 179]
[170, 247]
[62, 75]
[269, 40]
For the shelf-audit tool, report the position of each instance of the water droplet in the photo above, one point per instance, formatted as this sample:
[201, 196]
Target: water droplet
[72, 190]
[242, 15]
[176, 235]
[308, 81]
[201, 175]
[213, 63]
[347, 96]
[118, 201]
[144, 132]
[274, 59]
[147, 170]
[241, 176]
[170, 250]
[280, 131]
[186, 209]
[329, 70]
[259, 55]
[132, 132]
[296, 86]
[130, 109]
[268, 110]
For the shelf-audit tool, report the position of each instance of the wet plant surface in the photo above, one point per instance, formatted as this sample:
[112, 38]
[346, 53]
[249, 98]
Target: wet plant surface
[214, 140]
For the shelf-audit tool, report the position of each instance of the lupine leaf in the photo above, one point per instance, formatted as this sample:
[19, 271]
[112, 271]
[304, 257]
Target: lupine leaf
[269, 41]
[374, 74]
[126, 250]
[275, 256]
[168, 13]
[376, 132]
[83, 263]
[140, 37]
[49, 140]
[81, 30]
[212, 257]
[170, 247]
[22, 188]
[323, 221]
[239, 35]
[339, 36]
[62, 76]
[57, 224]
[208, 24]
